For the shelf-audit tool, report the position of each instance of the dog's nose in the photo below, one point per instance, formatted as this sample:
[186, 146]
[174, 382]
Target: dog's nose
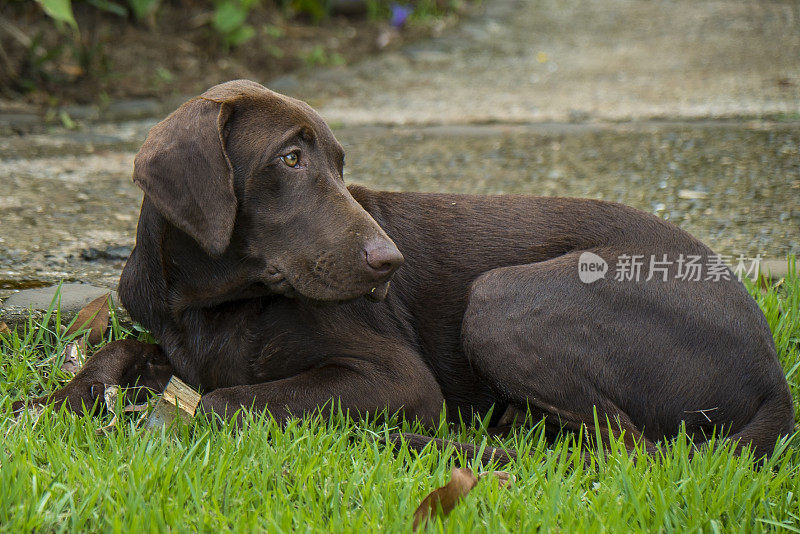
[383, 257]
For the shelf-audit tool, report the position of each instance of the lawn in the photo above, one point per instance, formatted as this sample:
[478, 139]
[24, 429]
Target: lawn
[60, 472]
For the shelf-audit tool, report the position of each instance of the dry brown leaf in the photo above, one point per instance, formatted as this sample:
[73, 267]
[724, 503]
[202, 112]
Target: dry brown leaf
[74, 356]
[94, 316]
[444, 499]
[4, 329]
[110, 395]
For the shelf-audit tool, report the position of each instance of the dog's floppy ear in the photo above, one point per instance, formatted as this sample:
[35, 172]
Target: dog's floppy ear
[184, 170]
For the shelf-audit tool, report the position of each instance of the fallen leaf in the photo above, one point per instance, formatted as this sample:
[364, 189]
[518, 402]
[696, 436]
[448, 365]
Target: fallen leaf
[74, 356]
[443, 500]
[110, 395]
[4, 329]
[94, 317]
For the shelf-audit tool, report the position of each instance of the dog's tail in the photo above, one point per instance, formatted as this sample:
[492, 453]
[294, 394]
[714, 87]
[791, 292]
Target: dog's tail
[773, 419]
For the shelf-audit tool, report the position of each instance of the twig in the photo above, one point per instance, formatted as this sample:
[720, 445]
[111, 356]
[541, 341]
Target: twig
[703, 411]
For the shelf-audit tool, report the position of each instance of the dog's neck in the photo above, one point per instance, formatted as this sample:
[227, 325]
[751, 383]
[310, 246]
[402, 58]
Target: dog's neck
[168, 273]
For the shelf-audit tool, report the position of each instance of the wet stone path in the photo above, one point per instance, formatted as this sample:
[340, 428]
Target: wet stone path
[690, 110]
[69, 209]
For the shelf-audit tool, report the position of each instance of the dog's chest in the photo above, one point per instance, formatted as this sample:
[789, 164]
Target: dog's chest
[286, 343]
[255, 342]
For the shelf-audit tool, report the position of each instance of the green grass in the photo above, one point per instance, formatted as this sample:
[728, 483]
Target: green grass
[58, 474]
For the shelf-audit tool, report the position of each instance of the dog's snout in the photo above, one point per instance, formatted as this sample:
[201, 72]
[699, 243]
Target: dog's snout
[382, 257]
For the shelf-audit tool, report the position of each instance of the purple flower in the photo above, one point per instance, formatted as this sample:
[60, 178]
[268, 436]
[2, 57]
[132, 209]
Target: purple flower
[400, 14]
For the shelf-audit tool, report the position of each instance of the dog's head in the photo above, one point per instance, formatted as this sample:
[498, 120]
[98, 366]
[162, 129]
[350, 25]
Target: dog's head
[256, 177]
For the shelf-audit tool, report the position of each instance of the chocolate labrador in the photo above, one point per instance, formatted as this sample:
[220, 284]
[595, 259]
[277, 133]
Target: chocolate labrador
[253, 260]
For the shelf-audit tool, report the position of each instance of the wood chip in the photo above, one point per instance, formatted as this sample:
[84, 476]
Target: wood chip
[136, 408]
[178, 401]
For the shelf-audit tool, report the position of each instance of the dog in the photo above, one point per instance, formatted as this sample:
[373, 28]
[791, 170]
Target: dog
[270, 284]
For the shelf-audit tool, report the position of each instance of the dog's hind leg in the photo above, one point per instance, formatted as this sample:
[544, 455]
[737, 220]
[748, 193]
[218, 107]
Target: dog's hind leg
[523, 332]
[127, 363]
[648, 356]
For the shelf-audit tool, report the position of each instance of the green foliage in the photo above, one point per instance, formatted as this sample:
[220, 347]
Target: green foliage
[331, 474]
[276, 32]
[426, 9]
[79, 52]
[60, 11]
[378, 9]
[109, 7]
[73, 51]
[318, 56]
[781, 306]
[66, 120]
[230, 21]
[316, 9]
[143, 8]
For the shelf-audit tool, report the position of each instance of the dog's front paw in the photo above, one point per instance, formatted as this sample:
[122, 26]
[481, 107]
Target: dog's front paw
[217, 405]
[77, 398]
[234, 403]
[19, 407]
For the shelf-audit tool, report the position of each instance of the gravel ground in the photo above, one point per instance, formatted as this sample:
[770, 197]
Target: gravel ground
[570, 60]
[620, 100]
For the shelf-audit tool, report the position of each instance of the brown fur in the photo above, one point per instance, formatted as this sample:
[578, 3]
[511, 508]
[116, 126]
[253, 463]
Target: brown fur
[250, 274]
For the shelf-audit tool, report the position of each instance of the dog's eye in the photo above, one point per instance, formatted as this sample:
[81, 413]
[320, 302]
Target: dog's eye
[291, 159]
